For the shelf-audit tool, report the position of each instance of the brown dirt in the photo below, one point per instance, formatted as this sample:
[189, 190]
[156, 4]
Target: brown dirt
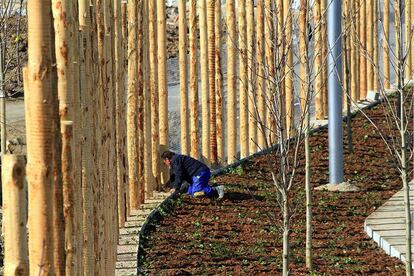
[240, 235]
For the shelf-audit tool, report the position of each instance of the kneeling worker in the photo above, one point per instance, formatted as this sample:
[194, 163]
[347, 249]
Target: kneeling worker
[197, 174]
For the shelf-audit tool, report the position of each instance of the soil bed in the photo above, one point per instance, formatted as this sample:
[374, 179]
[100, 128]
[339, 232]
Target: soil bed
[241, 235]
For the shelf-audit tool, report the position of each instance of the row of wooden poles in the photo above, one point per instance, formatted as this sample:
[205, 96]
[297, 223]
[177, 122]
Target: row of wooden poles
[93, 144]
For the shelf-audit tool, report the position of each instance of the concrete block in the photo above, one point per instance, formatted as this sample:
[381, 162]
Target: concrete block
[373, 96]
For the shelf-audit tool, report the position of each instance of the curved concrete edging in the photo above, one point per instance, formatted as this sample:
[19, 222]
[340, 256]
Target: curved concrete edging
[167, 203]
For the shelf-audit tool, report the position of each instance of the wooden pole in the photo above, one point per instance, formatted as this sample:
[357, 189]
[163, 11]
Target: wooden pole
[150, 178]
[385, 44]
[354, 51]
[324, 57]
[243, 102]
[375, 47]
[231, 80]
[41, 131]
[212, 82]
[363, 47]
[86, 264]
[318, 59]
[141, 103]
[279, 91]
[219, 84]
[370, 44]
[69, 197]
[289, 70]
[270, 68]
[132, 104]
[261, 84]
[154, 94]
[162, 86]
[182, 29]
[120, 113]
[408, 38]
[411, 39]
[205, 104]
[252, 78]
[16, 261]
[195, 152]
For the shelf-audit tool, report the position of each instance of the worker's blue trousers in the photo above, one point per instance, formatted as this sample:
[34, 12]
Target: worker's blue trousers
[200, 183]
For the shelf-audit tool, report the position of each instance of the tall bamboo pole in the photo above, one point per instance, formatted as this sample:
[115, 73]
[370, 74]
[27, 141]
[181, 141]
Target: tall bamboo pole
[231, 80]
[279, 93]
[141, 103]
[2, 103]
[370, 44]
[243, 102]
[261, 84]
[150, 181]
[152, 15]
[195, 153]
[182, 29]
[251, 82]
[211, 79]
[162, 84]
[41, 130]
[289, 70]
[269, 67]
[318, 59]
[63, 25]
[205, 103]
[385, 44]
[363, 47]
[16, 261]
[132, 106]
[219, 84]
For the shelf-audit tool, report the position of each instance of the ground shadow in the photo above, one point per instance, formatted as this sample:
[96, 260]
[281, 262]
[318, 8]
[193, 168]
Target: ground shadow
[237, 196]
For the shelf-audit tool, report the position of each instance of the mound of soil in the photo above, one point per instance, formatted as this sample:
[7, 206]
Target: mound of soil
[241, 235]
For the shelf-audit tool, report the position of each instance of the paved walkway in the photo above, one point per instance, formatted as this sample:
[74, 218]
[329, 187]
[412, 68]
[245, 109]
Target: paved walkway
[126, 264]
[386, 226]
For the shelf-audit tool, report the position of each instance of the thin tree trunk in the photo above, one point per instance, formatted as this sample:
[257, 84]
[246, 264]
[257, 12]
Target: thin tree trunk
[205, 135]
[324, 57]
[305, 104]
[212, 82]
[231, 80]
[162, 86]
[286, 230]
[195, 144]
[41, 130]
[354, 53]
[16, 261]
[219, 85]
[182, 28]
[251, 77]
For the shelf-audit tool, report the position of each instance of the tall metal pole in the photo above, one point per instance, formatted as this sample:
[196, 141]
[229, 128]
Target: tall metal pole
[2, 104]
[336, 167]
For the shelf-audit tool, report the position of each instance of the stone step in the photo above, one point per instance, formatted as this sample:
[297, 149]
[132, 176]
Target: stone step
[128, 240]
[127, 264]
[126, 272]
